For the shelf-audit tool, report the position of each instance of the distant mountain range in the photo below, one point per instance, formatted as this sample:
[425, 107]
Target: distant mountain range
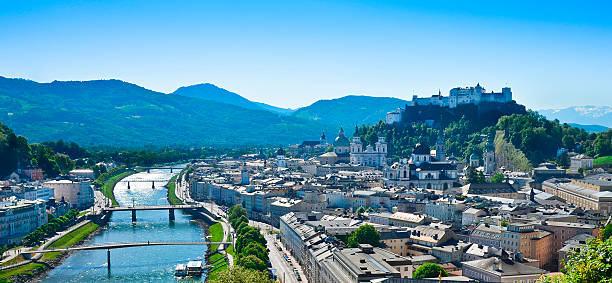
[350, 110]
[214, 93]
[114, 112]
[590, 128]
[590, 118]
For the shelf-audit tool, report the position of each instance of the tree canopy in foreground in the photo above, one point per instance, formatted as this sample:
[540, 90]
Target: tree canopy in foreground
[429, 270]
[588, 263]
[239, 274]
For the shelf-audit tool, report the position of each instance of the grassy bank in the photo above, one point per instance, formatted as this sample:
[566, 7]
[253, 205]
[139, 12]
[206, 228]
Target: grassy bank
[172, 198]
[30, 270]
[603, 160]
[70, 239]
[109, 185]
[216, 235]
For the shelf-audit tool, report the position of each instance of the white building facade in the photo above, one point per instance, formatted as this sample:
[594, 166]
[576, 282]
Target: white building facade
[78, 193]
[19, 219]
[371, 156]
[468, 95]
[394, 116]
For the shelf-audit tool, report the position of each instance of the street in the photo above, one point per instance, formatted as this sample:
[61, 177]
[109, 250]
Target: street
[284, 269]
[277, 258]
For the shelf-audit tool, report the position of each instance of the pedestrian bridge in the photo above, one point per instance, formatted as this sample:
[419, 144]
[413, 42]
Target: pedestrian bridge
[124, 245]
[155, 207]
[166, 167]
[170, 209]
[109, 247]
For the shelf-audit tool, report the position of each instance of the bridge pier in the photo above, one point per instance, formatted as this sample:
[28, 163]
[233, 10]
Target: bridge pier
[133, 215]
[128, 185]
[170, 170]
[108, 259]
[171, 214]
[153, 185]
[149, 170]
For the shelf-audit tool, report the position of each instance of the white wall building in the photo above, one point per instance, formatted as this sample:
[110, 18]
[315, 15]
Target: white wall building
[581, 161]
[394, 116]
[374, 157]
[19, 219]
[467, 95]
[78, 193]
[34, 193]
[83, 173]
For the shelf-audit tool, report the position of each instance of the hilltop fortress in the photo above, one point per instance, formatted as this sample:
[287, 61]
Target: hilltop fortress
[457, 96]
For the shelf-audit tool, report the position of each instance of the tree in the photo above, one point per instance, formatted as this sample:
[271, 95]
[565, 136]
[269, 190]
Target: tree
[257, 250]
[480, 178]
[473, 176]
[365, 234]
[589, 263]
[240, 220]
[498, 178]
[504, 223]
[252, 262]
[563, 160]
[239, 274]
[234, 213]
[250, 234]
[360, 211]
[2, 250]
[429, 270]
[241, 227]
[607, 232]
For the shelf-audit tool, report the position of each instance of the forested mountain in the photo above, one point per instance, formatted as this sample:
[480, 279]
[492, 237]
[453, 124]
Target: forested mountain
[214, 93]
[113, 112]
[117, 113]
[351, 110]
[535, 136]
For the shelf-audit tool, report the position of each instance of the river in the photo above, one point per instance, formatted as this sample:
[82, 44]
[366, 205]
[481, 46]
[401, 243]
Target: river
[139, 264]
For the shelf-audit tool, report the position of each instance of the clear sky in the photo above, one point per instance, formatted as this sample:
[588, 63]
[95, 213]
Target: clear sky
[292, 53]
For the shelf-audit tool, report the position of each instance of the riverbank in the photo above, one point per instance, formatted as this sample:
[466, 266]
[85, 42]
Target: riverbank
[216, 257]
[48, 261]
[108, 187]
[172, 198]
[41, 264]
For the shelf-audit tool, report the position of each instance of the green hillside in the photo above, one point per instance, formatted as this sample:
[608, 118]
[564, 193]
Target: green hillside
[526, 136]
[113, 112]
[214, 93]
[350, 110]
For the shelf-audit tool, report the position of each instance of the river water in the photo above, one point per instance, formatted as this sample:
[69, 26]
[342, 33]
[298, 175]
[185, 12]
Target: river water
[138, 264]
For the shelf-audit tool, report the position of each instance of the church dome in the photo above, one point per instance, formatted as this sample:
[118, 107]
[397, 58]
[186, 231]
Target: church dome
[421, 149]
[341, 139]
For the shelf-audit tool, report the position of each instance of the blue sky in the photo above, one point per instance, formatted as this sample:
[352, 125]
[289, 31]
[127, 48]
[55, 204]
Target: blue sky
[292, 53]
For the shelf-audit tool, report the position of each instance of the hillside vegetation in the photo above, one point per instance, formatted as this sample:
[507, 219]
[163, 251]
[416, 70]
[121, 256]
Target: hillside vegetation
[350, 110]
[15, 150]
[113, 112]
[527, 140]
[508, 156]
